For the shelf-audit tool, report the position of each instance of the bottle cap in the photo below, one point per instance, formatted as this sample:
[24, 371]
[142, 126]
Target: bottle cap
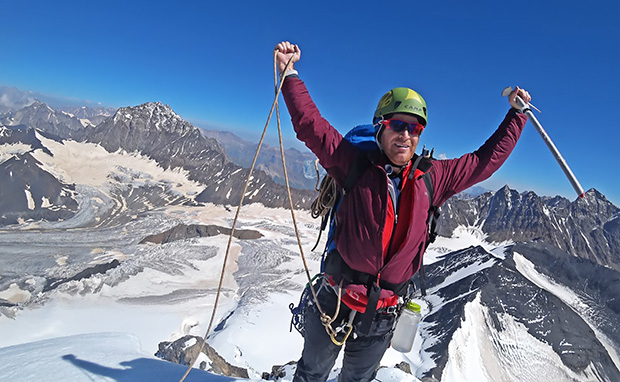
[412, 306]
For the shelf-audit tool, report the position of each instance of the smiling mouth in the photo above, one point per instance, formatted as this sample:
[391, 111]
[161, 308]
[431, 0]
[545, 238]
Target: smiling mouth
[401, 146]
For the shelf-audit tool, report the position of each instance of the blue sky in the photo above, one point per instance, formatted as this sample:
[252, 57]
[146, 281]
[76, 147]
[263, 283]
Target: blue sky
[212, 63]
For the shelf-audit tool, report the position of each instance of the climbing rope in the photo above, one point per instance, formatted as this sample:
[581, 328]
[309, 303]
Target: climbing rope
[325, 319]
[328, 194]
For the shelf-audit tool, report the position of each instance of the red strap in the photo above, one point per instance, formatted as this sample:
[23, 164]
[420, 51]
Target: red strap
[358, 301]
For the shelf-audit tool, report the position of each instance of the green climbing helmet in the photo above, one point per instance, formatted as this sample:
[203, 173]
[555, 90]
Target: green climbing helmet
[401, 100]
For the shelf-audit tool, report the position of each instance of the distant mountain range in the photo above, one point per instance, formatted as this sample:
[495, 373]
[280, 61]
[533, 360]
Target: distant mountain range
[588, 228]
[300, 166]
[152, 130]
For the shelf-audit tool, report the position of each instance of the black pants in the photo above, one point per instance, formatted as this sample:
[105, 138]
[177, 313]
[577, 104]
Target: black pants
[362, 354]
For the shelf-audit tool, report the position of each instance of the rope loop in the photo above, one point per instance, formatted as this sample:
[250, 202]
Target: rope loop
[279, 81]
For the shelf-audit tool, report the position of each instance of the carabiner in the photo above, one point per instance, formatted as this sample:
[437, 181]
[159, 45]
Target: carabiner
[346, 335]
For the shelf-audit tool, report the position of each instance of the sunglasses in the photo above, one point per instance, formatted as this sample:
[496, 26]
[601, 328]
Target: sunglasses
[399, 126]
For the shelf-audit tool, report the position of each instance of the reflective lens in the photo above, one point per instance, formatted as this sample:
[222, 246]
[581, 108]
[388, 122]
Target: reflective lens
[398, 126]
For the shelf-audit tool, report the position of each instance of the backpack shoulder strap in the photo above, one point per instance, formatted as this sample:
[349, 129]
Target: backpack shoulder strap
[433, 210]
[358, 166]
[431, 222]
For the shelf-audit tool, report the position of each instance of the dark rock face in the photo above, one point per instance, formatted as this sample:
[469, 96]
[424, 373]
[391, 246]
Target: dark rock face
[20, 134]
[277, 372]
[598, 285]
[84, 274]
[503, 290]
[182, 351]
[183, 231]
[587, 228]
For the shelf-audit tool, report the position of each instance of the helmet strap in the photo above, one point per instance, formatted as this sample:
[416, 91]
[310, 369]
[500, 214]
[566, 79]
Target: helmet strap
[379, 132]
[394, 170]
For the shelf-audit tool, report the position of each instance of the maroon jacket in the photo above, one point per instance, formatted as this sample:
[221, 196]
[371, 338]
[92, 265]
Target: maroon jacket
[362, 213]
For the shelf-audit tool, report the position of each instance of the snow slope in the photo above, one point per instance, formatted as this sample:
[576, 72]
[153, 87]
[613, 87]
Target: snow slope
[112, 357]
[91, 357]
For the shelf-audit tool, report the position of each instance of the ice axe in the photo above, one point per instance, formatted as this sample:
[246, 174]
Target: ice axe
[567, 171]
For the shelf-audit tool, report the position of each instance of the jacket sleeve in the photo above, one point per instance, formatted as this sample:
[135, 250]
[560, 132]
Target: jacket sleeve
[334, 153]
[455, 175]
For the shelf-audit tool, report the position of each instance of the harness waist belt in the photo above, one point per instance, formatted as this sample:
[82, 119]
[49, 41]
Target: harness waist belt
[335, 266]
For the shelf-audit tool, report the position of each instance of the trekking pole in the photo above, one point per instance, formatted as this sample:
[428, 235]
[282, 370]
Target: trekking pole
[525, 107]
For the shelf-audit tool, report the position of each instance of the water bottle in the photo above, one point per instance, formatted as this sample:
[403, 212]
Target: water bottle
[406, 327]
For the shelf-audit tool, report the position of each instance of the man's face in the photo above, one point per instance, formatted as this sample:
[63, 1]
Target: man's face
[399, 146]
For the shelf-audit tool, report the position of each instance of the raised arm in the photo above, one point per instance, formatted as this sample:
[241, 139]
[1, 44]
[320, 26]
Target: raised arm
[455, 175]
[334, 153]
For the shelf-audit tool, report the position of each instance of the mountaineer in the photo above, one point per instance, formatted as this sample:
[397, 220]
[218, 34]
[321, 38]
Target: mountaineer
[382, 218]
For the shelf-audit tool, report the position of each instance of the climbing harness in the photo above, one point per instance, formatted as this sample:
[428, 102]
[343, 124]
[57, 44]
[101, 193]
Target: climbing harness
[298, 312]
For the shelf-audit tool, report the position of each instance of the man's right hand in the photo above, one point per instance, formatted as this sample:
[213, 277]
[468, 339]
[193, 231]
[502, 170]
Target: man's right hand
[524, 94]
[285, 51]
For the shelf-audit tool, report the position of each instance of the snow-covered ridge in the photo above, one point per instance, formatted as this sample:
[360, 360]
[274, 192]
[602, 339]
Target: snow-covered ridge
[91, 165]
[569, 297]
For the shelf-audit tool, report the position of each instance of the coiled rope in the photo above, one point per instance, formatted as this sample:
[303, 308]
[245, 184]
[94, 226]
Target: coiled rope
[328, 194]
[325, 319]
[326, 199]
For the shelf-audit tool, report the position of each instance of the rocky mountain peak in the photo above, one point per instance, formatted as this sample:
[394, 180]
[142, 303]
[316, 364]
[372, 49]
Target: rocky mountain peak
[156, 131]
[37, 107]
[593, 197]
[584, 227]
[153, 115]
[144, 128]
